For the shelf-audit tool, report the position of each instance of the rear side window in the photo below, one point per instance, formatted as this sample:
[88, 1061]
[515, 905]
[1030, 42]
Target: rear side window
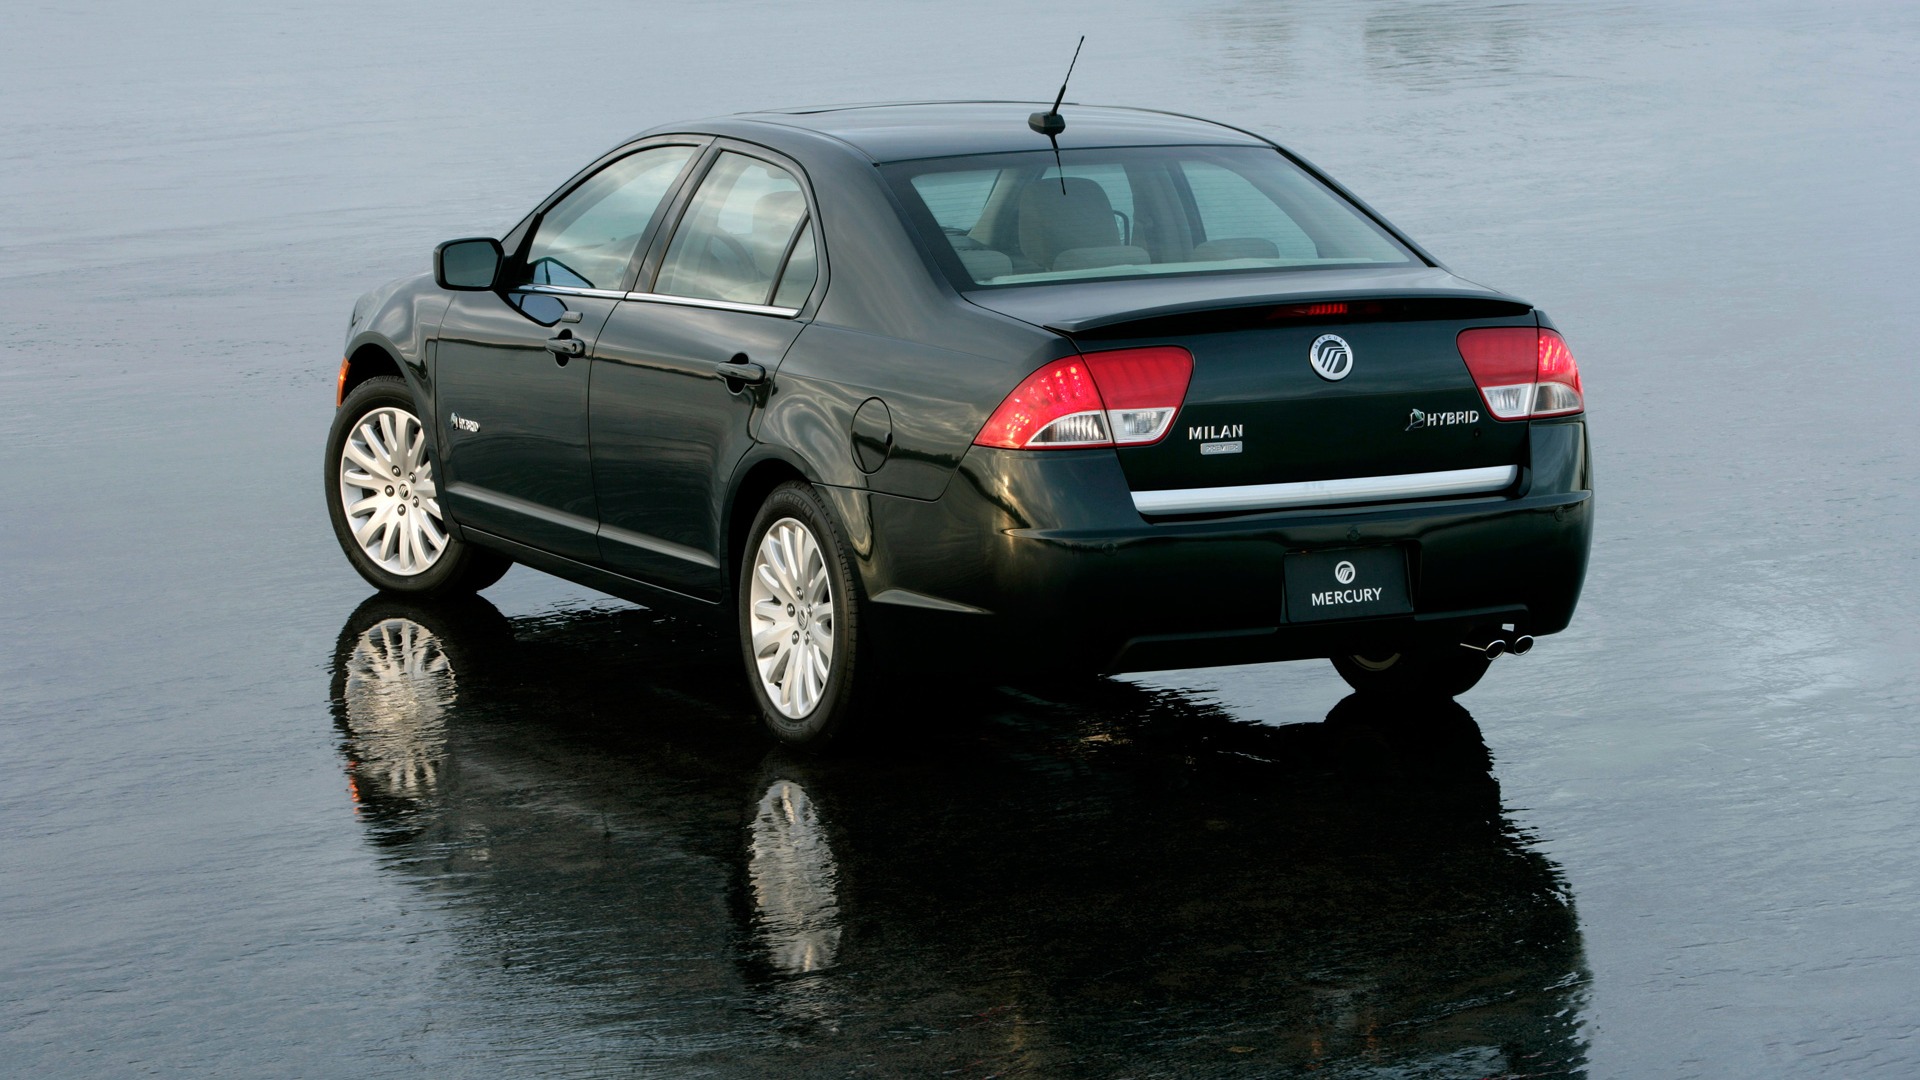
[587, 239]
[803, 269]
[1021, 219]
[737, 234]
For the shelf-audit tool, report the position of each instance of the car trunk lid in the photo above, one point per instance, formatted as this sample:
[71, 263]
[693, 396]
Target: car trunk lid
[1395, 415]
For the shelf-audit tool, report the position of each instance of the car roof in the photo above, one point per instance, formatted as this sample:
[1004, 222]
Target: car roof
[901, 131]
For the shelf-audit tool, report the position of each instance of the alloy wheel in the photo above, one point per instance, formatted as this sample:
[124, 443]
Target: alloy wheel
[387, 490]
[791, 600]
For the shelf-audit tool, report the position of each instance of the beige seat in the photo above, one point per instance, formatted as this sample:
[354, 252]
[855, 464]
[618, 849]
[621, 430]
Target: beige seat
[1054, 221]
[1237, 247]
[1089, 258]
[985, 264]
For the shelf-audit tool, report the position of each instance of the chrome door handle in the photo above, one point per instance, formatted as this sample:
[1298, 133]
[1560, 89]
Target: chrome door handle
[566, 346]
[741, 372]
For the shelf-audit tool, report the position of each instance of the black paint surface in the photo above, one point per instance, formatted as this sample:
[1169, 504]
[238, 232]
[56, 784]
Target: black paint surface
[1690, 854]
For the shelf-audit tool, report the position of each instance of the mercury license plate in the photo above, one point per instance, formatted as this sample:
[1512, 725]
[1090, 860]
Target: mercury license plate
[1348, 583]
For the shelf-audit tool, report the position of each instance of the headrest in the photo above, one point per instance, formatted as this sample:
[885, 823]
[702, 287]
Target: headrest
[1235, 247]
[1052, 221]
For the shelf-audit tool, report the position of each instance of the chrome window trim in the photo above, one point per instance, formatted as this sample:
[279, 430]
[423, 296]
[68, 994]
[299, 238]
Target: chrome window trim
[717, 305]
[664, 298]
[1325, 492]
[568, 290]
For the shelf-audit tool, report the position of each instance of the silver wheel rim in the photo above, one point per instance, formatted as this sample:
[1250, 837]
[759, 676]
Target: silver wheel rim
[387, 490]
[791, 605]
[1366, 663]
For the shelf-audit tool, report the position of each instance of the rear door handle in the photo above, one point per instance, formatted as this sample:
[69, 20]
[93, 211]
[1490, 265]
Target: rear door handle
[566, 346]
[741, 372]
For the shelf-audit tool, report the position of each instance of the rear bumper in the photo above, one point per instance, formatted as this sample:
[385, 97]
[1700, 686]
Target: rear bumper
[1041, 560]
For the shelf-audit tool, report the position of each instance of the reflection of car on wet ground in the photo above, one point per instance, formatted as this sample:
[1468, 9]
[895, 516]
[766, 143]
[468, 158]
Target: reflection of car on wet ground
[1112, 881]
[916, 387]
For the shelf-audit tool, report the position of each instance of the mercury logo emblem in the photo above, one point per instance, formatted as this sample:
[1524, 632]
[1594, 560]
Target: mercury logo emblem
[1331, 357]
[1343, 573]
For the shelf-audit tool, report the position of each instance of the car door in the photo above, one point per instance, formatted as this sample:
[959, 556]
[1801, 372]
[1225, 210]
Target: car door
[680, 368]
[511, 366]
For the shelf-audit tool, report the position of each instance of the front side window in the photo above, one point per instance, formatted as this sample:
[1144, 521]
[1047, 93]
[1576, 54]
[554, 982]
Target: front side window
[739, 233]
[1020, 219]
[588, 238]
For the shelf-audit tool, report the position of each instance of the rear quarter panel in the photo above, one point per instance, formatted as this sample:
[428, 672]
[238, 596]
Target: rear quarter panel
[889, 326]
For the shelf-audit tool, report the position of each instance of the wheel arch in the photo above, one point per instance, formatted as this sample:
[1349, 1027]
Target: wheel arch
[754, 481]
[369, 360]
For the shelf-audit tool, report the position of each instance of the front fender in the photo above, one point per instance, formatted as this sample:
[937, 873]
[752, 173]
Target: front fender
[401, 319]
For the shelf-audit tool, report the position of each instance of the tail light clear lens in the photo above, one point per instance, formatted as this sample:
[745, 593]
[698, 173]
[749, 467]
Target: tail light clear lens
[1522, 372]
[1143, 390]
[1125, 397]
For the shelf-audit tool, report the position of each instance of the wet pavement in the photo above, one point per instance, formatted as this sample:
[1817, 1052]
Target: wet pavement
[259, 824]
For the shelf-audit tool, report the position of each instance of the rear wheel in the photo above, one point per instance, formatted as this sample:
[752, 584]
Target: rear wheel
[384, 501]
[1445, 669]
[799, 619]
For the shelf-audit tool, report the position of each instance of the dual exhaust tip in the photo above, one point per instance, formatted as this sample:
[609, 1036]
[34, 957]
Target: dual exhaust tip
[1516, 644]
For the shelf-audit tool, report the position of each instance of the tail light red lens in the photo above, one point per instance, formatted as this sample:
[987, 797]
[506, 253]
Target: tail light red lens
[1522, 372]
[1056, 406]
[1557, 392]
[1126, 397]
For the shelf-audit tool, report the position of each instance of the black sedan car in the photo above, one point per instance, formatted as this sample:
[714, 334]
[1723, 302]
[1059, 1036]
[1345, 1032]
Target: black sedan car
[920, 392]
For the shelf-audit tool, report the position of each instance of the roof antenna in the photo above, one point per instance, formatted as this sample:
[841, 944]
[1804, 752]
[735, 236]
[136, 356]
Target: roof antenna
[1051, 123]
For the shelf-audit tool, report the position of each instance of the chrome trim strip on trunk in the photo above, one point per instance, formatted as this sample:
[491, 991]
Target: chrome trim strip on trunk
[1326, 492]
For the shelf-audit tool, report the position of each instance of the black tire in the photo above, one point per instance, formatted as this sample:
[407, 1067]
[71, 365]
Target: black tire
[459, 568]
[834, 711]
[1445, 670]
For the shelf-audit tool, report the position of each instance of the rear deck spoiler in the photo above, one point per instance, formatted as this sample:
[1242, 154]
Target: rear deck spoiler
[1099, 308]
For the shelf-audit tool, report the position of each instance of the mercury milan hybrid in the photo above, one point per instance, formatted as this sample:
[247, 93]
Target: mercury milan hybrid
[933, 390]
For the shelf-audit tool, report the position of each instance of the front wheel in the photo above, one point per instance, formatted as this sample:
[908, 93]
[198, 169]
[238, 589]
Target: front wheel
[1447, 670]
[384, 500]
[799, 619]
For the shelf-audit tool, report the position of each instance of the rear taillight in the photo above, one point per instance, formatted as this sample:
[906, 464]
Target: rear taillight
[1557, 390]
[1143, 389]
[1126, 397]
[1522, 372]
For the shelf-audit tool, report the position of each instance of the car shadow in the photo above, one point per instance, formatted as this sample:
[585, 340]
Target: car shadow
[1088, 879]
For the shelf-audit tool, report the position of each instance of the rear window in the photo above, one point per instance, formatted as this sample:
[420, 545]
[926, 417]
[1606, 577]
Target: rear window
[1022, 219]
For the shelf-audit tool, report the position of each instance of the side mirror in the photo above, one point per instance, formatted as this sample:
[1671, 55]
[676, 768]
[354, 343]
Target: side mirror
[469, 265]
